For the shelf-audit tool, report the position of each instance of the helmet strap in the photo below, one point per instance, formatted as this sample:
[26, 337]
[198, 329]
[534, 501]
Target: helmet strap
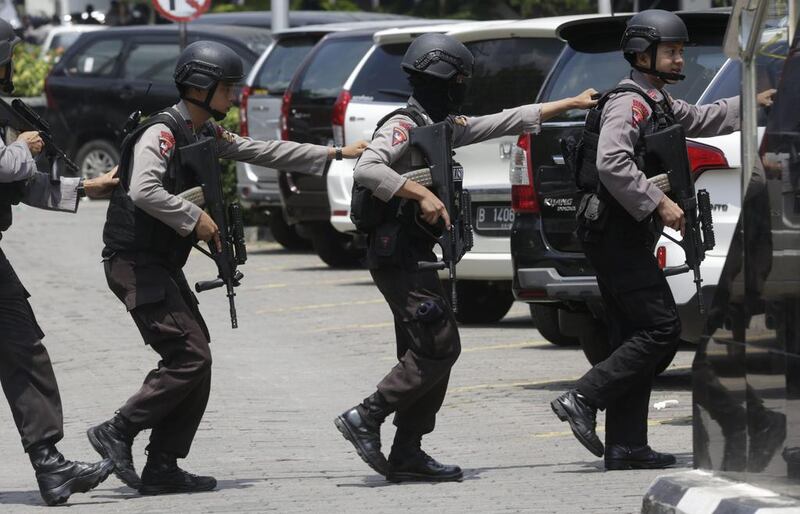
[206, 104]
[653, 50]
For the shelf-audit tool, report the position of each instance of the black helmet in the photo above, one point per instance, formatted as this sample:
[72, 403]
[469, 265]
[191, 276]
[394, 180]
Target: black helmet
[438, 55]
[646, 30]
[204, 64]
[8, 40]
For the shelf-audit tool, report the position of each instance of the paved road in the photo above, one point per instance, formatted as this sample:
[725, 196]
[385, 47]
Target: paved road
[312, 342]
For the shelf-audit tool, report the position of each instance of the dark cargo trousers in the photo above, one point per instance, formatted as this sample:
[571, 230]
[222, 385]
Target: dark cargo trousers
[643, 327]
[173, 397]
[25, 369]
[428, 346]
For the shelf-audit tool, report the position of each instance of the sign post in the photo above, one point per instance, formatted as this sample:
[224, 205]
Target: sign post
[181, 11]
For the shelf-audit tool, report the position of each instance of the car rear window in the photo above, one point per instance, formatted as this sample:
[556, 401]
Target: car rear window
[278, 68]
[381, 79]
[508, 72]
[577, 71]
[96, 59]
[330, 66]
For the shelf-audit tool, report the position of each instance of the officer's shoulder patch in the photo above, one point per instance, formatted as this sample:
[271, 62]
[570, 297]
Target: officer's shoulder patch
[639, 112]
[399, 135]
[166, 142]
[653, 93]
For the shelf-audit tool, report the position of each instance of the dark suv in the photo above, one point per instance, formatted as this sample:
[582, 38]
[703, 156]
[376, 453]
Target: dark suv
[550, 270]
[108, 74]
[306, 117]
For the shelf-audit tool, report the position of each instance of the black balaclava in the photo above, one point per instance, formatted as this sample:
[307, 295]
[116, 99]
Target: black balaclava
[438, 97]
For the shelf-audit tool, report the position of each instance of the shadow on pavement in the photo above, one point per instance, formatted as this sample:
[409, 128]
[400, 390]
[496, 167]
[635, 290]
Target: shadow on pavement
[33, 499]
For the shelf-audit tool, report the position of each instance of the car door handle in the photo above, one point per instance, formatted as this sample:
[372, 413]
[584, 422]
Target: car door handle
[125, 92]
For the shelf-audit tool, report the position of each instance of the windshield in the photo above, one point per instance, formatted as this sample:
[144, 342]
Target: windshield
[382, 79]
[577, 71]
[330, 67]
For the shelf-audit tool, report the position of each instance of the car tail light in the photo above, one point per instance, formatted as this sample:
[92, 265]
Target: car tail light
[340, 212]
[287, 101]
[337, 117]
[704, 157]
[523, 194]
[243, 130]
[661, 257]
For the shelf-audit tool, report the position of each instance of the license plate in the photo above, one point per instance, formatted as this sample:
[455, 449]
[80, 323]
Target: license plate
[494, 217]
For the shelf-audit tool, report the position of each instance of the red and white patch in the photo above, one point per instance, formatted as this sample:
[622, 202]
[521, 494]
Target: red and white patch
[640, 112]
[406, 125]
[399, 136]
[653, 93]
[166, 142]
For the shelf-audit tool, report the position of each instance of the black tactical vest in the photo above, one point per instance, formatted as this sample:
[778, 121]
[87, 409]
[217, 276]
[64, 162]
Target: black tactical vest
[130, 229]
[10, 194]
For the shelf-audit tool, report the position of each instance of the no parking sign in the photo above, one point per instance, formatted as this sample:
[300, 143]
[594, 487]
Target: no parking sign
[181, 10]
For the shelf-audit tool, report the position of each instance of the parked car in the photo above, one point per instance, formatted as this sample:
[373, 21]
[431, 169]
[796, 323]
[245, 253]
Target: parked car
[512, 60]
[259, 113]
[263, 19]
[108, 74]
[306, 112]
[550, 271]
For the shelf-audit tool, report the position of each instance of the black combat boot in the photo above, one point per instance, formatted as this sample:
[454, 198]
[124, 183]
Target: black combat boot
[582, 417]
[161, 475]
[620, 457]
[361, 425]
[59, 478]
[407, 462]
[113, 440]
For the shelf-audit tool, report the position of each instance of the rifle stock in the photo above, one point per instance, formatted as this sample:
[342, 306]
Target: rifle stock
[666, 154]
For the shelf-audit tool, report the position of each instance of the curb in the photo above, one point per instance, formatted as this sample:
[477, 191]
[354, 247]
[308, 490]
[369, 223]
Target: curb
[700, 492]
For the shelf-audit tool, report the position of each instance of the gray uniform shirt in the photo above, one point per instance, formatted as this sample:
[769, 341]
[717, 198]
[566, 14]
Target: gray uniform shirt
[154, 149]
[16, 164]
[386, 157]
[620, 123]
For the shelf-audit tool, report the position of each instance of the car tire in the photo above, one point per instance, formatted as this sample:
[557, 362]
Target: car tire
[96, 157]
[285, 234]
[336, 249]
[481, 302]
[545, 317]
[594, 343]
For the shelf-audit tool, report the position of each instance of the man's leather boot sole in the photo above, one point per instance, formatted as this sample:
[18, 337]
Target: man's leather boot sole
[78, 484]
[127, 474]
[596, 447]
[376, 462]
[156, 489]
[408, 476]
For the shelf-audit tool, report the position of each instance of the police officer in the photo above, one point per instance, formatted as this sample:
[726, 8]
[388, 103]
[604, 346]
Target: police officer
[642, 318]
[148, 235]
[427, 337]
[25, 369]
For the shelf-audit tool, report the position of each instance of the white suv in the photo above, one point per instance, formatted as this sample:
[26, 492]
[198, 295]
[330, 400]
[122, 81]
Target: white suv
[512, 59]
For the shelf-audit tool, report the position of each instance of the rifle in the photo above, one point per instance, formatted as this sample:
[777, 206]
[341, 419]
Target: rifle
[201, 159]
[445, 178]
[666, 154]
[22, 118]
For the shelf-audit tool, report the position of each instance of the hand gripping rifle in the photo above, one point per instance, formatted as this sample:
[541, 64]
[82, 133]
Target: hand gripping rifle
[667, 165]
[201, 159]
[445, 178]
[22, 118]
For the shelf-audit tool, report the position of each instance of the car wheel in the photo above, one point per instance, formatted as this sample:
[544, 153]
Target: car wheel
[481, 302]
[594, 343]
[285, 234]
[545, 318]
[96, 157]
[337, 250]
